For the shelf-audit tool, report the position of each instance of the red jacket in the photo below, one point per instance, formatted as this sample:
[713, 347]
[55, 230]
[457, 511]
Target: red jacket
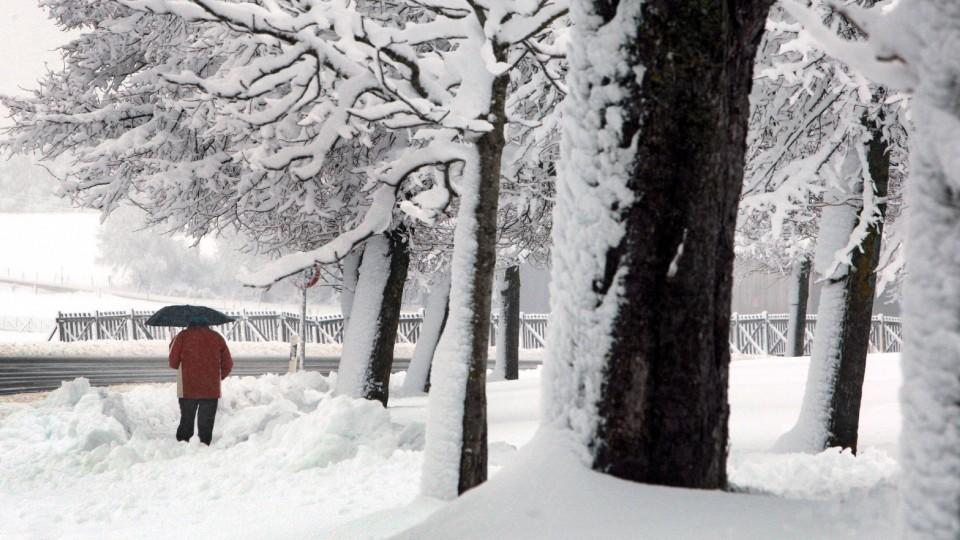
[203, 359]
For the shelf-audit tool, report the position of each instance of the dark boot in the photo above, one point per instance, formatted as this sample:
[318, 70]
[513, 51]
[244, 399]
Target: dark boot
[205, 418]
[188, 413]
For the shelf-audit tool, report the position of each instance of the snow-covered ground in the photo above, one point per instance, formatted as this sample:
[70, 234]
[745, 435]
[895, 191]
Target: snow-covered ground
[291, 461]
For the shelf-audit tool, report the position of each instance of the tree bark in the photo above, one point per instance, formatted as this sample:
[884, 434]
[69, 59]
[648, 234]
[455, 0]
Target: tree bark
[368, 348]
[680, 112]
[473, 451]
[799, 295]
[434, 320]
[830, 413]
[508, 325]
[458, 378]
[861, 287]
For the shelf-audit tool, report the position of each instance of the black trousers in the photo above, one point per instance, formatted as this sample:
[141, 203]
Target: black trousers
[189, 412]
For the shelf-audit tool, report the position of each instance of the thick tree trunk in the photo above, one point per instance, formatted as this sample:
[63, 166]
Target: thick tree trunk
[929, 483]
[434, 320]
[799, 294]
[643, 254]
[368, 348]
[456, 442]
[508, 325]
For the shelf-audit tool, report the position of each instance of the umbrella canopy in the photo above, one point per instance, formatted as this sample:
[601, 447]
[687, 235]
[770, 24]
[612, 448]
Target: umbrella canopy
[187, 315]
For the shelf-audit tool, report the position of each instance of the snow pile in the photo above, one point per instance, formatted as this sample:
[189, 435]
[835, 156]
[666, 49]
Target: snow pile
[290, 460]
[547, 493]
[275, 437]
[829, 474]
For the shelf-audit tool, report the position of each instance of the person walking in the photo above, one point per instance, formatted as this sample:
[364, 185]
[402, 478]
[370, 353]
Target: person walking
[202, 359]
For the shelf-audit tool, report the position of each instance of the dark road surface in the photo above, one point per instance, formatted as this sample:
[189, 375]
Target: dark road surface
[18, 375]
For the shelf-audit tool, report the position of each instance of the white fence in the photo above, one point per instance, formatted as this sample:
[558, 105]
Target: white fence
[24, 324]
[261, 326]
[764, 333]
[749, 334]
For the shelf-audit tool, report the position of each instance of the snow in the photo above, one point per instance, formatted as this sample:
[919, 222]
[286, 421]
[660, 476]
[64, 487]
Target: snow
[547, 493]
[291, 460]
[276, 440]
[592, 198]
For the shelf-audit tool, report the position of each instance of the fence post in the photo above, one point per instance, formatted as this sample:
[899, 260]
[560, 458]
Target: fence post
[132, 327]
[881, 334]
[96, 325]
[765, 338]
[735, 332]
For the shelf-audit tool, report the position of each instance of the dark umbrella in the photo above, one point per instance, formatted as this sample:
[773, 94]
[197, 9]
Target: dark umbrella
[187, 315]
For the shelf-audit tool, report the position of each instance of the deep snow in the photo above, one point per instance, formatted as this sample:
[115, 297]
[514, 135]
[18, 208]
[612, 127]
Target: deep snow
[289, 460]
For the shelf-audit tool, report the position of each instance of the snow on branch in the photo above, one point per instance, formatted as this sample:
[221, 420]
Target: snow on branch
[876, 57]
[377, 219]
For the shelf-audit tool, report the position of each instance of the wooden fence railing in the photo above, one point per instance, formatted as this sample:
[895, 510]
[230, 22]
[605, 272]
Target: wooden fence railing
[261, 326]
[760, 333]
[13, 323]
[763, 333]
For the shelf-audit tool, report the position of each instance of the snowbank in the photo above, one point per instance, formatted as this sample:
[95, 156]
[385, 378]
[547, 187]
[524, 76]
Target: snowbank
[96, 463]
[289, 460]
[547, 493]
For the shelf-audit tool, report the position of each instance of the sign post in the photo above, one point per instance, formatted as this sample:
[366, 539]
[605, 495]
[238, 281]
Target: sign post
[298, 345]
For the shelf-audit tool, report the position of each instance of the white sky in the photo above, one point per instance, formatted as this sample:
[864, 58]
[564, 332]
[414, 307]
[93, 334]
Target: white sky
[28, 42]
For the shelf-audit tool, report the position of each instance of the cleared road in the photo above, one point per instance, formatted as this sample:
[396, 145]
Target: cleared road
[18, 375]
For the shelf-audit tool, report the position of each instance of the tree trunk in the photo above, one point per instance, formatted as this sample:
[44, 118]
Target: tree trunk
[508, 325]
[930, 396]
[861, 285]
[368, 348]
[654, 148]
[455, 457]
[434, 319]
[799, 294]
[830, 413]
[350, 267]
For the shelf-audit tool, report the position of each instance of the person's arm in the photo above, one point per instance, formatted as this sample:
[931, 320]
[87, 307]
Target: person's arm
[175, 349]
[226, 361]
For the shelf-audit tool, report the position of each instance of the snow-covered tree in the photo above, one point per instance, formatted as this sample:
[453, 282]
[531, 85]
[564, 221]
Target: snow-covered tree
[189, 153]
[314, 76]
[912, 47]
[524, 236]
[29, 187]
[653, 149]
[367, 358]
[819, 166]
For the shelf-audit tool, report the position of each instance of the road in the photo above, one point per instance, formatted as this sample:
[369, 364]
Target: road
[18, 375]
